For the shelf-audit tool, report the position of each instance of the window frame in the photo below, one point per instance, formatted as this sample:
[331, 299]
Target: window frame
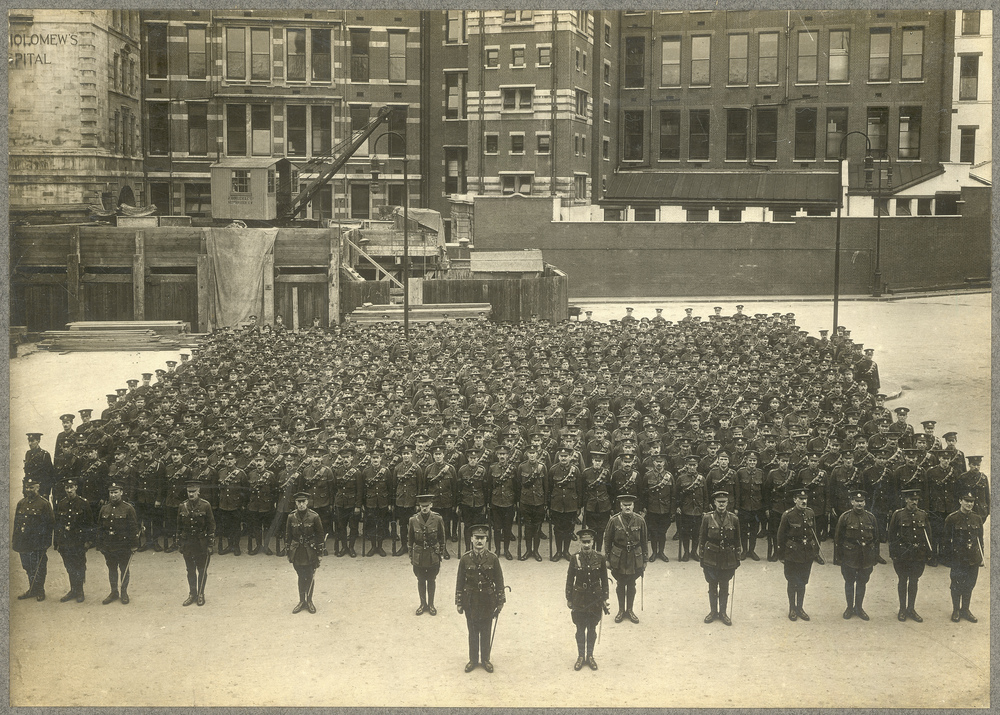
[761, 57]
[495, 137]
[396, 57]
[673, 145]
[191, 54]
[735, 153]
[674, 66]
[968, 80]
[694, 114]
[162, 146]
[967, 144]
[628, 153]
[516, 138]
[705, 62]
[745, 59]
[203, 107]
[806, 64]
[885, 58]
[842, 55]
[162, 58]
[833, 139]
[461, 112]
[539, 149]
[761, 138]
[909, 32]
[910, 149]
[634, 49]
[456, 17]
[239, 182]
[804, 146]
[360, 70]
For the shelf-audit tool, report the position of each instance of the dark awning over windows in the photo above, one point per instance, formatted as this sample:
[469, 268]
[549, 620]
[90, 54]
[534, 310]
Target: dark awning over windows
[758, 188]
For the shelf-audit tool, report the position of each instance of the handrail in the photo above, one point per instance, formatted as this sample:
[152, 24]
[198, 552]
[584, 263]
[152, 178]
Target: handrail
[378, 268]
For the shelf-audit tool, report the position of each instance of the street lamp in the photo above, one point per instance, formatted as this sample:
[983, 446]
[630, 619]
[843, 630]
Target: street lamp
[406, 223]
[869, 168]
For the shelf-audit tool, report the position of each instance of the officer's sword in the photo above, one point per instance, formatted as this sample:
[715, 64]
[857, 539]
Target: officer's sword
[496, 619]
[204, 575]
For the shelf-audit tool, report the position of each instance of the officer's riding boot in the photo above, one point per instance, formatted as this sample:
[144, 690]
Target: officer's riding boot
[799, 599]
[752, 543]
[350, 547]
[911, 602]
[422, 590]
[79, 591]
[278, 548]
[236, 543]
[302, 601]
[793, 612]
[713, 601]
[113, 596]
[723, 603]
[431, 587]
[966, 613]
[956, 606]
[537, 541]
[849, 595]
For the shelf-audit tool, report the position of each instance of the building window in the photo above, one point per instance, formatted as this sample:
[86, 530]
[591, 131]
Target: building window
[270, 181]
[701, 68]
[544, 56]
[517, 98]
[805, 133]
[360, 115]
[397, 56]
[456, 27]
[583, 144]
[946, 204]
[295, 57]
[491, 144]
[197, 129]
[697, 214]
[738, 59]
[698, 137]
[807, 57]
[913, 54]
[236, 53]
[585, 63]
[517, 57]
[730, 215]
[359, 57]
[836, 129]
[295, 130]
[114, 72]
[767, 135]
[605, 149]
[577, 59]
[516, 16]
[670, 135]
[968, 81]
[607, 34]
[736, 134]
[322, 129]
[515, 184]
[113, 143]
[397, 124]
[607, 73]
[236, 56]
[360, 200]
[576, 144]
[581, 103]
[903, 207]
[581, 17]
[970, 22]
[925, 207]
[544, 143]
[131, 76]
[635, 62]
[455, 172]
[878, 123]
[492, 56]
[517, 144]
[782, 216]
[607, 111]
[645, 213]
[197, 200]
[260, 54]
[240, 181]
[838, 70]
[455, 85]
[767, 60]
[633, 135]
[321, 55]
[967, 145]
[881, 206]
[156, 50]
[613, 215]
[909, 132]
[159, 128]
[580, 184]
[670, 62]
[260, 129]
[196, 52]
[878, 54]
[236, 129]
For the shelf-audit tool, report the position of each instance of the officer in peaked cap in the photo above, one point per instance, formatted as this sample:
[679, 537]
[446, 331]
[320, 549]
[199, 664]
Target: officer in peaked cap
[480, 595]
[856, 550]
[910, 549]
[304, 538]
[587, 595]
[964, 547]
[626, 543]
[32, 536]
[72, 533]
[117, 539]
[798, 547]
[426, 536]
[719, 549]
[196, 540]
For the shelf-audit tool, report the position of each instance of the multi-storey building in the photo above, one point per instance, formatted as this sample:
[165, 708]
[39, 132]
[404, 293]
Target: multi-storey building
[236, 88]
[742, 114]
[972, 135]
[74, 117]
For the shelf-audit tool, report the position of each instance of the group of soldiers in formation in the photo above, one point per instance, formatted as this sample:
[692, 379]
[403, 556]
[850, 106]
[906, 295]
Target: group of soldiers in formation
[735, 428]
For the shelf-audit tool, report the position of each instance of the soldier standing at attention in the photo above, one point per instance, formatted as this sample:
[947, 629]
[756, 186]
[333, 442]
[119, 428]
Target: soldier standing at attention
[479, 594]
[425, 533]
[626, 544]
[587, 595]
[690, 506]
[856, 550]
[117, 539]
[33, 522]
[909, 547]
[73, 531]
[304, 541]
[658, 494]
[566, 487]
[719, 544]
[597, 500]
[798, 547]
[964, 547]
[196, 539]
[38, 465]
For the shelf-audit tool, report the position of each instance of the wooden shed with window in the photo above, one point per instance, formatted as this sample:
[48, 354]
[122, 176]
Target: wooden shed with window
[250, 189]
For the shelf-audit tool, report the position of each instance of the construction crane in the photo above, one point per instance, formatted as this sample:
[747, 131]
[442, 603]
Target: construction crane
[327, 165]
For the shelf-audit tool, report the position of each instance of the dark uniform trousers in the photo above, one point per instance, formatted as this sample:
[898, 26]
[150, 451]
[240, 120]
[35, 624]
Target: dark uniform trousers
[963, 535]
[909, 551]
[195, 530]
[479, 591]
[502, 520]
[598, 521]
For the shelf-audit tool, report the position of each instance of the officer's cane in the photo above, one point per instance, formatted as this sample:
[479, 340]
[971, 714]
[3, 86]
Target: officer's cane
[642, 598]
[732, 596]
[128, 565]
[204, 575]
[34, 576]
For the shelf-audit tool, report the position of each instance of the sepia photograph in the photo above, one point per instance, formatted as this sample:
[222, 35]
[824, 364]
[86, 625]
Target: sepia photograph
[373, 357]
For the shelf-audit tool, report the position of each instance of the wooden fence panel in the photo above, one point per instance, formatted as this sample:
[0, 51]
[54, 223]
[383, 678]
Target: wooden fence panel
[107, 247]
[173, 297]
[354, 294]
[512, 299]
[40, 245]
[313, 301]
[40, 306]
[107, 301]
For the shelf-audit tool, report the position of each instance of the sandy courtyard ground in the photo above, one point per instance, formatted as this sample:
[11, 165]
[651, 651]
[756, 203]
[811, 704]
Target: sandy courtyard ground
[366, 648]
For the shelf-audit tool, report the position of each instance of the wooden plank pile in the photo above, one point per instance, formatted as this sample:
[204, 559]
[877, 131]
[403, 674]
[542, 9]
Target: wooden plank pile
[124, 335]
[431, 312]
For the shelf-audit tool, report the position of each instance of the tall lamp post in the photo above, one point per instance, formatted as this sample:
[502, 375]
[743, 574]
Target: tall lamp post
[869, 168]
[375, 169]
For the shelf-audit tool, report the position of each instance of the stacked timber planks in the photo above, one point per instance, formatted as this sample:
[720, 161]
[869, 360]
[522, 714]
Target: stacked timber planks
[431, 312]
[166, 328]
[95, 340]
